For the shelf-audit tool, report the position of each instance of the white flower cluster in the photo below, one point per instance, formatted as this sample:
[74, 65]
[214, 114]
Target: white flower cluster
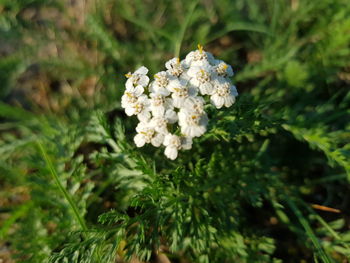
[176, 96]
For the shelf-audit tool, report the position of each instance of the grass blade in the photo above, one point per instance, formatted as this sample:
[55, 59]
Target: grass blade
[309, 232]
[66, 195]
[180, 37]
[239, 26]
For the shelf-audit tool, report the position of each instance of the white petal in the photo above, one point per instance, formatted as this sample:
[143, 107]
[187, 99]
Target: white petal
[229, 100]
[142, 70]
[189, 58]
[194, 82]
[139, 140]
[167, 139]
[158, 111]
[129, 111]
[178, 102]
[129, 85]
[171, 116]
[192, 71]
[182, 115]
[138, 91]
[141, 126]
[157, 140]
[206, 88]
[144, 80]
[144, 116]
[171, 152]
[217, 101]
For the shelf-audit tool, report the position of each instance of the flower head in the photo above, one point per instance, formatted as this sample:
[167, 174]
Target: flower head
[174, 100]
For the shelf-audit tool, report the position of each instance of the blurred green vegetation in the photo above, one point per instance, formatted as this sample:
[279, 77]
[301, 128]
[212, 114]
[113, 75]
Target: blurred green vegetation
[74, 188]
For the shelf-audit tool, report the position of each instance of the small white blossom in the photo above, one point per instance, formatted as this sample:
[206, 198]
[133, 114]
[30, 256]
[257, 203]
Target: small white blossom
[147, 134]
[161, 123]
[223, 69]
[194, 104]
[159, 85]
[180, 92]
[201, 77]
[192, 124]
[199, 58]
[175, 67]
[140, 108]
[173, 144]
[130, 95]
[139, 77]
[224, 94]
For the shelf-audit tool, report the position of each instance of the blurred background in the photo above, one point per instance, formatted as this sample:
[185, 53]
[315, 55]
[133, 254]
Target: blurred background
[63, 60]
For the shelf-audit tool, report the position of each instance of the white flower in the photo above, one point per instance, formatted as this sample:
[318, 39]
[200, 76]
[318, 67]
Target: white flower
[175, 67]
[140, 108]
[201, 77]
[224, 93]
[160, 123]
[147, 134]
[180, 92]
[198, 58]
[173, 144]
[139, 77]
[194, 104]
[130, 95]
[192, 124]
[223, 69]
[160, 84]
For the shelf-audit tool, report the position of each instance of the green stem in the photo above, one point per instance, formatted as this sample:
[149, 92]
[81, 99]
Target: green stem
[62, 189]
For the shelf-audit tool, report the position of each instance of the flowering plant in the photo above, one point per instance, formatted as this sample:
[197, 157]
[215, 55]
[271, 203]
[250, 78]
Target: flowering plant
[176, 95]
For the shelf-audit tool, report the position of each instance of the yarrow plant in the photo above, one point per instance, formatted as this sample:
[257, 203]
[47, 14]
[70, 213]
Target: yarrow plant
[176, 96]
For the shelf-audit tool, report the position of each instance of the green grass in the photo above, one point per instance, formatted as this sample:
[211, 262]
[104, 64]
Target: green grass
[73, 186]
